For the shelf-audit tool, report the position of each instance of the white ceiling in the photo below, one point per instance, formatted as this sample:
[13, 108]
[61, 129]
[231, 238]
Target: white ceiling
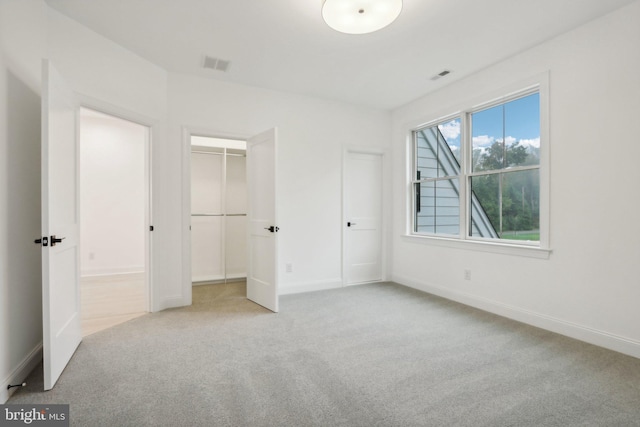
[285, 45]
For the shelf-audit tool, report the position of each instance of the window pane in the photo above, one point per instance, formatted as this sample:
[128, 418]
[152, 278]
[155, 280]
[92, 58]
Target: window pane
[522, 130]
[438, 150]
[487, 128]
[507, 135]
[437, 207]
[506, 205]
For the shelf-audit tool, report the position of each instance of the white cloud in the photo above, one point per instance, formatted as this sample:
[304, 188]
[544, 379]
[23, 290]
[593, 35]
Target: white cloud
[450, 130]
[509, 140]
[483, 141]
[530, 142]
[487, 141]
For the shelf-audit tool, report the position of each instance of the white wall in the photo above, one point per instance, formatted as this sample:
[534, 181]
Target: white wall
[112, 195]
[589, 287]
[101, 69]
[311, 136]
[22, 38]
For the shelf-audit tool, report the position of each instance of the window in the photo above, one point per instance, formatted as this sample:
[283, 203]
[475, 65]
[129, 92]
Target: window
[437, 185]
[476, 175]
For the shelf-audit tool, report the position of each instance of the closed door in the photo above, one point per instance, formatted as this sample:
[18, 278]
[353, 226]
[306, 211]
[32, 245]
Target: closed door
[363, 218]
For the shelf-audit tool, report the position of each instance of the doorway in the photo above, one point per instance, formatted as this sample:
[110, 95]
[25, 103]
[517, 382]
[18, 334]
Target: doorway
[260, 229]
[114, 220]
[218, 216]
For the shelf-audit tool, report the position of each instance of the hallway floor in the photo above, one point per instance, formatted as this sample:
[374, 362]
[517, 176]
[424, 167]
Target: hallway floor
[107, 301]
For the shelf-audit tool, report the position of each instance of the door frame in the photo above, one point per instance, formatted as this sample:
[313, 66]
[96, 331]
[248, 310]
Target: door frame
[152, 295]
[384, 211]
[187, 133]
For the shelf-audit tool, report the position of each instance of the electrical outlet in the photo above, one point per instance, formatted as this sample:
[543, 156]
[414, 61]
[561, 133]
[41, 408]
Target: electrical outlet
[92, 255]
[289, 267]
[467, 275]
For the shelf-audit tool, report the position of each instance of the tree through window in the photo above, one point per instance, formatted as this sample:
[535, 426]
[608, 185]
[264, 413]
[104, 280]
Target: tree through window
[505, 175]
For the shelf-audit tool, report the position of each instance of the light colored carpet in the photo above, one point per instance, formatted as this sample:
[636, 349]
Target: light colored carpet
[369, 355]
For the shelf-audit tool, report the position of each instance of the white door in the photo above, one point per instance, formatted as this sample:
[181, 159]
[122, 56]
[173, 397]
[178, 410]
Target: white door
[60, 212]
[363, 218]
[262, 274]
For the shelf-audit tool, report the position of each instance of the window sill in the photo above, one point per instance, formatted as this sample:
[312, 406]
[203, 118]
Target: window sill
[481, 246]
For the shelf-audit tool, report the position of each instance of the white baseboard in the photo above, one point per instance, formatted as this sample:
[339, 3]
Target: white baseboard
[113, 271]
[199, 279]
[172, 302]
[319, 285]
[20, 373]
[205, 280]
[580, 332]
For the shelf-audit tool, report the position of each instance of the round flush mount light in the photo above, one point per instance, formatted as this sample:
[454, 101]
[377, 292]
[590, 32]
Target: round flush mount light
[360, 16]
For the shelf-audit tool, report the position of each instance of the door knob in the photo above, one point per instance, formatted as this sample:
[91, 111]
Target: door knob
[55, 240]
[43, 241]
[349, 224]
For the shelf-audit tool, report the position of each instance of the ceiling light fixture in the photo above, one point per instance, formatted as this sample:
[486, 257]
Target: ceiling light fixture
[360, 16]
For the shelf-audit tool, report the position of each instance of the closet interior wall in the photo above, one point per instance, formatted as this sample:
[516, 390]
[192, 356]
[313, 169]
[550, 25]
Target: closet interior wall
[218, 214]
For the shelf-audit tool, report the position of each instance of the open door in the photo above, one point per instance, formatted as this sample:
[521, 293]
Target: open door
[60, 219]
[262, 272]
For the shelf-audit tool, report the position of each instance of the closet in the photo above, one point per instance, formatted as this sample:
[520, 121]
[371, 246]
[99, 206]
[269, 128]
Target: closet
[218, 210]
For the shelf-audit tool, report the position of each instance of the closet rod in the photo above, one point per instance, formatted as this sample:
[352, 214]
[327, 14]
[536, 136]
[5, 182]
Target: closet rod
[207, 152]
[218, 154]
[205, 214]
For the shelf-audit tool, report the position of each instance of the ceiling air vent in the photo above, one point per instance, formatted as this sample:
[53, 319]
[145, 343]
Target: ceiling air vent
[216, 63]
[440, 74]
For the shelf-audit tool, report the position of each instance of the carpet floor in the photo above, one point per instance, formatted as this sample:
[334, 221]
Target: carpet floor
[370, 355]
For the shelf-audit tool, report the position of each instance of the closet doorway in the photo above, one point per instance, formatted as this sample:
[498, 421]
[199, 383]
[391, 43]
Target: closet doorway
[114, 220]
[218, 216]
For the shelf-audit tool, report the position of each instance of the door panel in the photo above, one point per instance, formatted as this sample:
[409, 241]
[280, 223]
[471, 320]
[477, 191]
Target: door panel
[262, 277]
[60, 212]
[363, 228]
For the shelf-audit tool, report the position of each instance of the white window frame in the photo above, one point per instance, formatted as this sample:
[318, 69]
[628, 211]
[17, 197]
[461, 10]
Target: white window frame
[459, 177]
[538, 84]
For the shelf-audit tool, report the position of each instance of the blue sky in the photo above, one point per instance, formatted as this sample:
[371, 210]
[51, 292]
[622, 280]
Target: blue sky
[521, 123]
[520, 119]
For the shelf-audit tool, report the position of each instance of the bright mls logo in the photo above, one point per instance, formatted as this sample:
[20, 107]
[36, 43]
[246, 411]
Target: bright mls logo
[34, 415]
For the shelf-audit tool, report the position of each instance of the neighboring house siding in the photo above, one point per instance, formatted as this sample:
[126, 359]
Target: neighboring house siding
[440, 200]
